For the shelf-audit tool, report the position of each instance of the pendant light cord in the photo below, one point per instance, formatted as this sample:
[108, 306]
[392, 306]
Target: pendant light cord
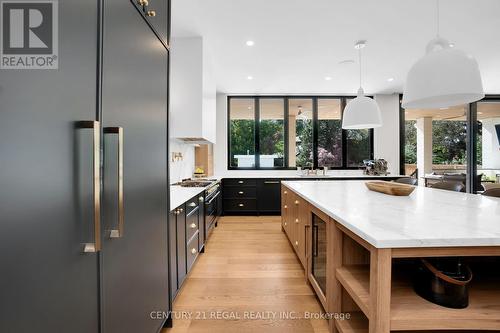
[437, 21]
[359, 56]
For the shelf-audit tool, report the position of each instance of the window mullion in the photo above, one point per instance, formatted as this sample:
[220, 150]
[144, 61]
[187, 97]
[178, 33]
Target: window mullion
[257, 132]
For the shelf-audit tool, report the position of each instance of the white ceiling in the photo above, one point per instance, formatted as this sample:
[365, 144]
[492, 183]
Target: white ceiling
[300, 42]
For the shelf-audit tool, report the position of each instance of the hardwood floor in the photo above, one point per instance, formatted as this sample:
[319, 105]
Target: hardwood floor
[248, 280]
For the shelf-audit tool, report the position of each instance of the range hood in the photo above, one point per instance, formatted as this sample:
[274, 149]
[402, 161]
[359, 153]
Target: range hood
[192, 92]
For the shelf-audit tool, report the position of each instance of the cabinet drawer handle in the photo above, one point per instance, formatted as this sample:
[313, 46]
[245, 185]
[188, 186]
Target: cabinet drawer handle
[193, 250]
[192, 225]
[285, 224]
[285, 206]
[181, 210]
[192, 204]
[241, 205]
[241, 182]
[296, 202]
[296, 243]
[286, 192]
[296, 220]
[151, 13]
[271, 182]
[143, 2]
[241, 192]
[201, 199]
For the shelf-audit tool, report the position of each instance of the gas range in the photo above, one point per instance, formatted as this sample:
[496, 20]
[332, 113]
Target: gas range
[196, 182]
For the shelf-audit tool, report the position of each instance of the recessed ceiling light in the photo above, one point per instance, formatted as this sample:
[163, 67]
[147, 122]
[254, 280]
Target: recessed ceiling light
[443, 108]
[452, 44]
[249, 77]
[249, 108]
[250, 43]
[328, 78]
[390, 79]
[346, 62]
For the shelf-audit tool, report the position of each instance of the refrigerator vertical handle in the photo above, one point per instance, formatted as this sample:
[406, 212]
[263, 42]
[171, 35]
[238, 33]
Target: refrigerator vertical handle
[118, 232]
[95, 246]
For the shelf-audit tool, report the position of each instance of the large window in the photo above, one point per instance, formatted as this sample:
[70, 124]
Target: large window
[290, 132]
[436, 142]
[460, 143]
[272, 132]
[242, 133]
[300, 132]
[329, 133]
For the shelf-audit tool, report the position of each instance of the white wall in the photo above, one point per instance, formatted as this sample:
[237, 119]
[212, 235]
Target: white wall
[181, 169]
[386, 138]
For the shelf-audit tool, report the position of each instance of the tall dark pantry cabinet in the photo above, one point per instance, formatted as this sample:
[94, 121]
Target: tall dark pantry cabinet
[84, 176]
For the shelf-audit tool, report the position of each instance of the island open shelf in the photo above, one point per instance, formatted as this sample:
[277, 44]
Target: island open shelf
[411, 312]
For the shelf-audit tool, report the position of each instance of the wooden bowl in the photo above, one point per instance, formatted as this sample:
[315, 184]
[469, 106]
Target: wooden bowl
[390, 188]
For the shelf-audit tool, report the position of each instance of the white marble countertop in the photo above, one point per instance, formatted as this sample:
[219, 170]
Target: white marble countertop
[426, 218]
[179, 195]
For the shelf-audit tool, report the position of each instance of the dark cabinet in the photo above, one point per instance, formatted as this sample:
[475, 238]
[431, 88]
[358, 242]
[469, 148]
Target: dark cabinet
[89, 253]
[269, 196]
[181, 246]
[177, 245]
[172, 245]
[155, 12]
[46, 192]
[251, 196]
[185, 225]
[135, 244]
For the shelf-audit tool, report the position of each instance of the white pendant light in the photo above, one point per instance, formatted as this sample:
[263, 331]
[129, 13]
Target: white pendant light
[444, 77]
[361, 112]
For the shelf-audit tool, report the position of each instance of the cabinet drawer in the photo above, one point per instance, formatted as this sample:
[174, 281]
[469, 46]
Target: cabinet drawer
[192, 252]
[193, 203]
[237, 205]
[192, 224]
[240, 182]
[240, 192]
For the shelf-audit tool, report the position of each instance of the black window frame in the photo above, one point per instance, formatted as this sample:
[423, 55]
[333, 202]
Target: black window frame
[343, 101]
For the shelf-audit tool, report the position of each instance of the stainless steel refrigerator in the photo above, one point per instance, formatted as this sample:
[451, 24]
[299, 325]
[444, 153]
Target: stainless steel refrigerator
[84, 178]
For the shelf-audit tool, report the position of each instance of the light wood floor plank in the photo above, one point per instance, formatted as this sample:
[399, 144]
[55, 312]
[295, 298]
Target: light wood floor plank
[248, 280]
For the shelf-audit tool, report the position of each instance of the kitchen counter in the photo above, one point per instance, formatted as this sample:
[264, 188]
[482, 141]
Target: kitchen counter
[179, 194]
[426, 218]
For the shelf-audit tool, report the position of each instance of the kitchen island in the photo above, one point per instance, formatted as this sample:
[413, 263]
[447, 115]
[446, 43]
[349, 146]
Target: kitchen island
[355, 246]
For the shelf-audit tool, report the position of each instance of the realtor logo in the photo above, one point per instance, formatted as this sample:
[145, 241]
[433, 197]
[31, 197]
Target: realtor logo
[29, 34]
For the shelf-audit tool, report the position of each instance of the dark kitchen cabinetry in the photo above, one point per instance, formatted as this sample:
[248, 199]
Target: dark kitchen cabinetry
[185, 223]
[156, 12]
[240, 196]
[251, 196]
[268, 196]
[135, 244]
[89, 254]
